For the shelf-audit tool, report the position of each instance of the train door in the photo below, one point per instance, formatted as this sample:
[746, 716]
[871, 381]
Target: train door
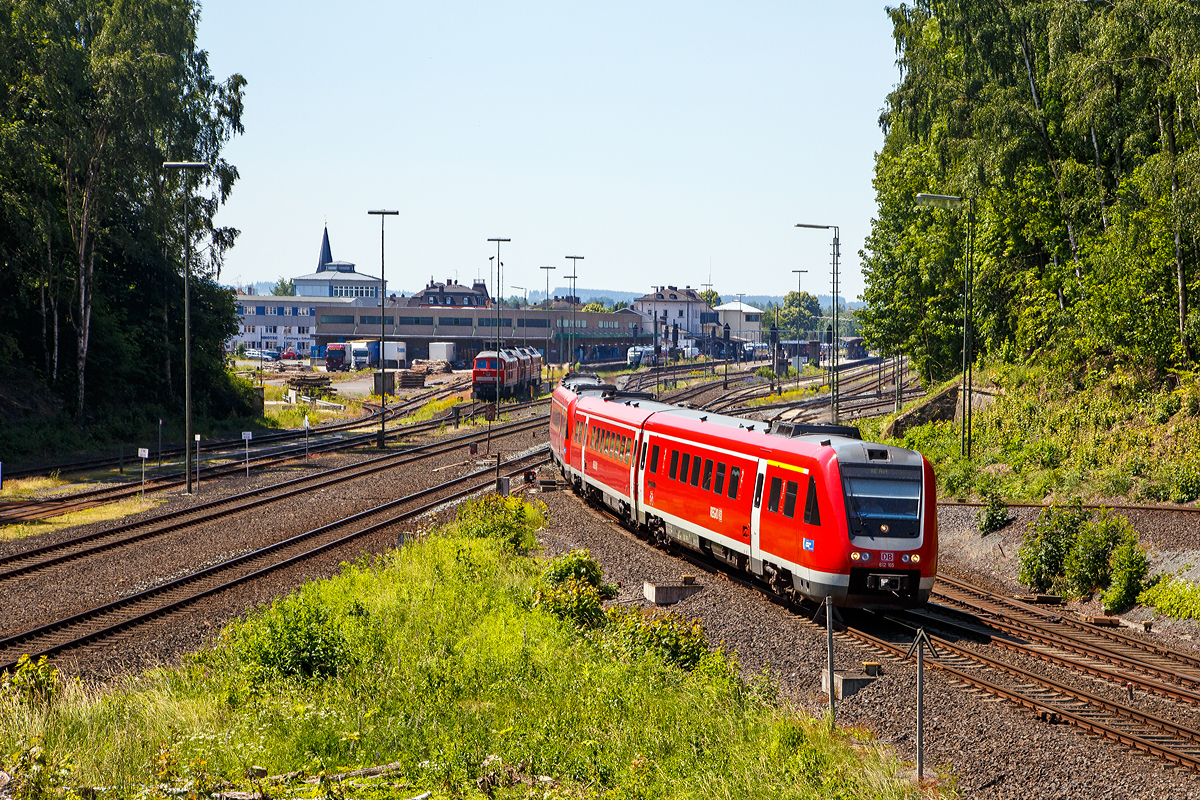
[756, 516]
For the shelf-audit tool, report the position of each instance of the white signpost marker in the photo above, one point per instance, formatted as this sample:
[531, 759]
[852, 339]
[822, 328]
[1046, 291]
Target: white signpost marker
[246, 435]
[306, 438]
[143, 454]
[197, 462]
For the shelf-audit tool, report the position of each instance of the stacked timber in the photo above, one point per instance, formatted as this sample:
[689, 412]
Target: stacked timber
[410, 379]
[311, 384]
[431, 366]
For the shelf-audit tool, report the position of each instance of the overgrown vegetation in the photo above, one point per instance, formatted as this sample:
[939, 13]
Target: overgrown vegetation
[439, 658]
[1071, 551]
[1099, 433]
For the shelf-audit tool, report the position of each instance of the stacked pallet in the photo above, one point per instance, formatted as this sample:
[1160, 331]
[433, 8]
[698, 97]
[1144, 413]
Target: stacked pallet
[312, 384]
[431, 366]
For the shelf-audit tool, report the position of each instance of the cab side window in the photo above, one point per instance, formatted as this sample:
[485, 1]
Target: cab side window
[719, 486]
[773, 496]
[812, 515]
[708, 467]
[789, 499]
[654, 459]
[735, 477]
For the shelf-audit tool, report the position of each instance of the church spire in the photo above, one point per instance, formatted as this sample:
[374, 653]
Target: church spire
[325, 256]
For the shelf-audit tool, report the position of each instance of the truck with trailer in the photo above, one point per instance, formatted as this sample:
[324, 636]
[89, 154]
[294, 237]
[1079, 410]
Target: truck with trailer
[364, 353]
[337, 358]
[395, 355]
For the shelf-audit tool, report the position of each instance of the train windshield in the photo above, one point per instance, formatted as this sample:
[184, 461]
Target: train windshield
[882, 501]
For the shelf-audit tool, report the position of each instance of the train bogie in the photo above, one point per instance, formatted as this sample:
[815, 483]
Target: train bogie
[811, 512]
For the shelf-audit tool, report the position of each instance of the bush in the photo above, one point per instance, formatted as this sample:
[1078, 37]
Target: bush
[1047, 542]
[630, 634]
[1086, 568]
[766, 372]
[509, 519]
[573, 600]
[37, 773]
[580, 565]
[34, 682]
[297, 636]
[993, 514]
[1128, 567]
[1174, 597]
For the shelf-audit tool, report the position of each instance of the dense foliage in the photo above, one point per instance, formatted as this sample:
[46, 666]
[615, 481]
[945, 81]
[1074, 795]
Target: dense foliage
[1076, 553]
[94, 97]
[1071, 127]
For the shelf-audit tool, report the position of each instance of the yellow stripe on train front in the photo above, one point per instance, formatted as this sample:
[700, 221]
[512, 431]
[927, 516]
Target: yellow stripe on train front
[792, 467]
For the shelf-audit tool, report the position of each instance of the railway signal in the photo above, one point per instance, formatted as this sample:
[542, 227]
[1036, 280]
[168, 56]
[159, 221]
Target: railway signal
[246, 436]
[306, 438]
[197, 463]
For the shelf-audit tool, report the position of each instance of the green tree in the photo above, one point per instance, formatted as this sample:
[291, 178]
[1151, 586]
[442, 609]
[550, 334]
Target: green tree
[594, 306]
[711, 297]
[284, 287]
[94, 98]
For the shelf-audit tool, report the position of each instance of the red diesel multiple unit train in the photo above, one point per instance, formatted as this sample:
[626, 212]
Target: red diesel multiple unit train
[511, 372]
[812, 510]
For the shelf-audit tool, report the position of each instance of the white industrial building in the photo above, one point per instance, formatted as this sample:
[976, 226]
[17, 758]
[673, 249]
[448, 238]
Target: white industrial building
[743, 319]
[674, 306]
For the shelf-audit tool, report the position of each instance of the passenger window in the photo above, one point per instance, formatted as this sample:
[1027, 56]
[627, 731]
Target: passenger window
[697, 462]
[719, 486]
[675, 463]
[708, 464]
[654, 459]
[773, 497]
[789, 499]
[812, 515]
[683, 472]
[735, 475]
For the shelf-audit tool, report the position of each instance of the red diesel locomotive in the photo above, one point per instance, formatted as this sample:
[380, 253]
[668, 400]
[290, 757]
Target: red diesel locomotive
[511, 372]
[811, 510]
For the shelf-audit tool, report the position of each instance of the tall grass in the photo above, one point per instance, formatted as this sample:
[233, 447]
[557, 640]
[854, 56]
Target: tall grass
[432, 657]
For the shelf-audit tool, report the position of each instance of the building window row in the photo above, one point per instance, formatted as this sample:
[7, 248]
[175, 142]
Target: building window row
[355, 291]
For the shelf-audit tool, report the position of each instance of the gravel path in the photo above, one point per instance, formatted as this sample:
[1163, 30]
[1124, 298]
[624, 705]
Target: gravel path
[986, 747]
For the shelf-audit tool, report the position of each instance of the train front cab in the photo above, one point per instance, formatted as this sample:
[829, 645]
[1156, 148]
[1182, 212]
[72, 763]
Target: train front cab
[877, 549]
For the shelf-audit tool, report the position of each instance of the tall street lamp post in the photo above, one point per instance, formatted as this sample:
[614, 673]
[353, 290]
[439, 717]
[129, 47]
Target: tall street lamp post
[952, 202]
[548, 306]
[574, 300]
[383, 215]
[524, 316]
[187, 166]
[499, 302]
[798, 272]
[833, 346]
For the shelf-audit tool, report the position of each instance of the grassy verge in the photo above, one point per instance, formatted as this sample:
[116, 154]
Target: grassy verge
[457, 659]
[104, 513]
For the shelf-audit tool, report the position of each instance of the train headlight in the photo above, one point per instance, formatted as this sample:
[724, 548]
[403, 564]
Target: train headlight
[884, 529]
[866, 556]
[915, 558]
[855, 556]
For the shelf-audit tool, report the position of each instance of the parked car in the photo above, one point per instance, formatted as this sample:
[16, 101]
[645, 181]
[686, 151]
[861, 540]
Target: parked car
[291, 354]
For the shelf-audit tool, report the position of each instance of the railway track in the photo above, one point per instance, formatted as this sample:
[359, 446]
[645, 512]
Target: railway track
[987, 619]
[28, 561]
[24, 511]
[214, 447]
[122, 616]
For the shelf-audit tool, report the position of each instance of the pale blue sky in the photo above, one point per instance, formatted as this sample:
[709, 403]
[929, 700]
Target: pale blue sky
[652, 138]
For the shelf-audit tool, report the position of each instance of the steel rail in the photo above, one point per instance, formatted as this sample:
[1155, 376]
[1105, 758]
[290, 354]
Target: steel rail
[24, 562]
[50, 508]
[18, 641]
